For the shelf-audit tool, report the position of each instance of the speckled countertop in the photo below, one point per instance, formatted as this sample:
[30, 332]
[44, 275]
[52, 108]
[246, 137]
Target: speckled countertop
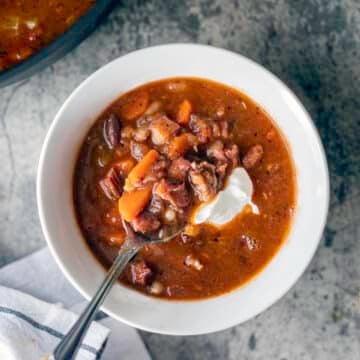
[314, 47]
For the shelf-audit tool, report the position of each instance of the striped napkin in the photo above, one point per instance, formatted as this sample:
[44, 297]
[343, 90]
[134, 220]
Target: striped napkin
[38, 306]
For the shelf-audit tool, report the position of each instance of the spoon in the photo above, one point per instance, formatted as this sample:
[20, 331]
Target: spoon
[229, 202]
[70, 344]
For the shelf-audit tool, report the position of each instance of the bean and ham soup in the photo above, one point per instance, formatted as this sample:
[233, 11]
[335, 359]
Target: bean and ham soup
[154, 156]
[28, 25]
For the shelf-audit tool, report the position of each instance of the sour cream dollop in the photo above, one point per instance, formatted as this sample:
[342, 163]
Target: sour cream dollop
[229, 202]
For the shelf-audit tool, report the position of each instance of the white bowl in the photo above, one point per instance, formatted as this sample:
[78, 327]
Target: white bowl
[67, 132]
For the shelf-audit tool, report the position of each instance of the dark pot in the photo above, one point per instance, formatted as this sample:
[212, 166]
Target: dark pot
[59, 47]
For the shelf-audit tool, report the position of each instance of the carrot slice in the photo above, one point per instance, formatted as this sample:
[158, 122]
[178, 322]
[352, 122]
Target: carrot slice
[184, 112]
[180, 144]
[135, 106]
[132, 203]
[143, 167]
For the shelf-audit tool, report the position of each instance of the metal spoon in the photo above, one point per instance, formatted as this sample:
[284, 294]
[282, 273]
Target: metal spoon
[70, 344]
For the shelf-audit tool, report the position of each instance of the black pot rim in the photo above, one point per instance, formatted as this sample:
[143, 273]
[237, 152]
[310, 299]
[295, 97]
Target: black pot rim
[83, 27]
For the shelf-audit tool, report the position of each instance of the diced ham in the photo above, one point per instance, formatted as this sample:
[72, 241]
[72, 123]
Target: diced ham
[207, 129]
[140, 273]
[145, 222]
[224, 129]
[203, 180]
[215, 151]
[127, 132]
[141, 133]
[156, 206]
[162, 129]
[111, 185]
[201, 128]
[138, 150]
[178, 169]
[232, 154]
[221, 154]
[221, 171]
[215, 128]
[253, 156]
[175, 193]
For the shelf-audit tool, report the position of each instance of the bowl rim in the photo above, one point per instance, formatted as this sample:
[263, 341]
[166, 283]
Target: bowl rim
[80, 287]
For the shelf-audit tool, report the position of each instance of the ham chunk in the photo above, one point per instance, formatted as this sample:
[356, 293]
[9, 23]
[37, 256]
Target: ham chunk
[138, 150]
[178, 169]
[140, 273]
[162, 129]
[232, 155]
[145, 222]
[175, 193]
[207, 129]
[156, 206]
[221, 154]
[202, 128]
[253, 156]
[216, 152]
[111, 185]
[141, 133]
[203, 180]
[224, 129]
[221, 172]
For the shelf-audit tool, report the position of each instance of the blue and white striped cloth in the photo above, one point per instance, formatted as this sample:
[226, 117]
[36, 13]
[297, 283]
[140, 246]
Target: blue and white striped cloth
[30, 328]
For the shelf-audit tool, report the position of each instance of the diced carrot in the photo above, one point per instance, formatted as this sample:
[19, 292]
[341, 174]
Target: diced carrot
[184, 112]
[135, 106]
[125, 165]
[132, 203]
[143, 167]
[180, 144]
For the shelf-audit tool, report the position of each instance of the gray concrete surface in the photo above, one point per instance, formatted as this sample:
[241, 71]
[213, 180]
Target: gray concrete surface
[312, 45]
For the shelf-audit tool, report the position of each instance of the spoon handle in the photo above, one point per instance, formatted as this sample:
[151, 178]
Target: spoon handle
[70, 344]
